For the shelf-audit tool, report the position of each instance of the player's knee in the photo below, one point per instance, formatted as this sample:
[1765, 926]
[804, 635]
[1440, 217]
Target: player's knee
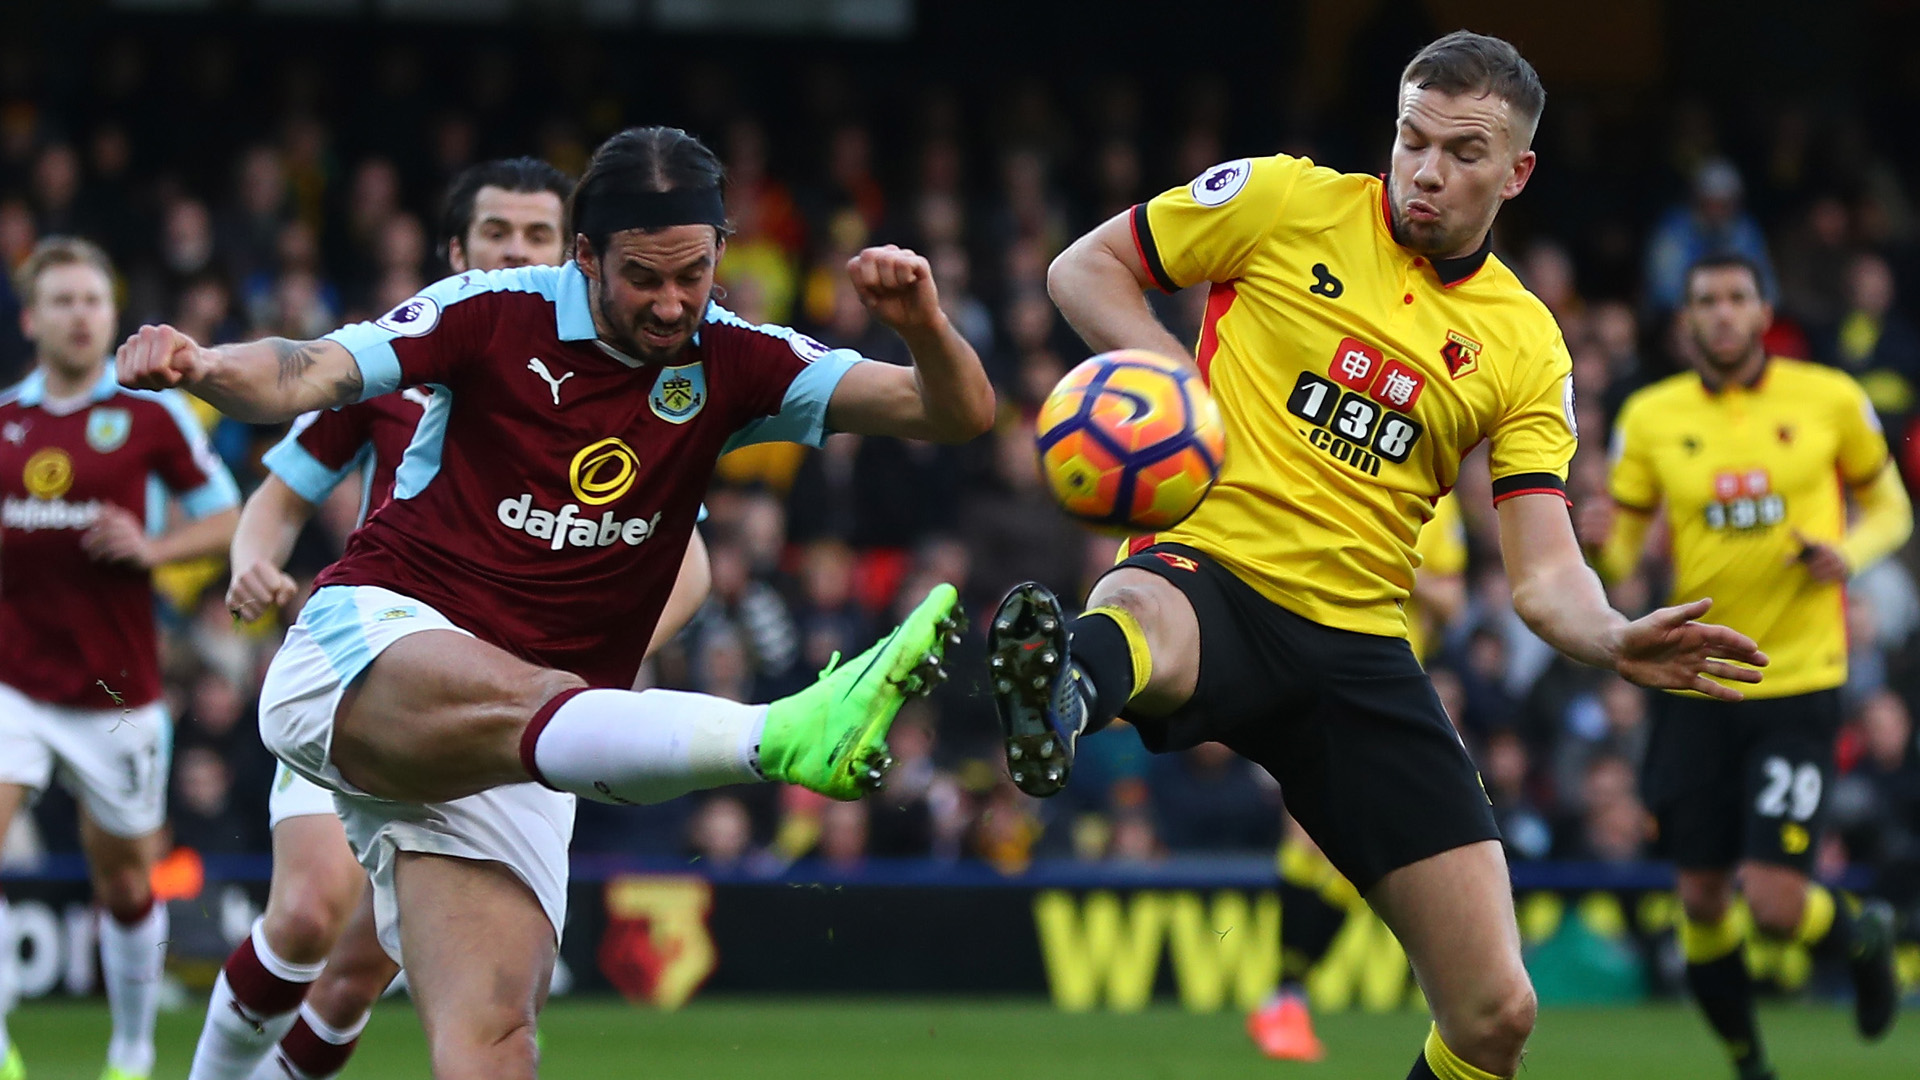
[343, 996]
[1512, 1022]
[304, 927]
[1705, 901]
[342, 1002]
[545, 686]
[1155, 604]
[1498, 1033]
[524, 698]
[1776, 912]
[1135, 598]
[126, 893]
[475, 1052]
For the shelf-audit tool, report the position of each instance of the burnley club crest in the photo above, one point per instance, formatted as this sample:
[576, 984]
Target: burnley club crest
[679, 393]
[108, 428]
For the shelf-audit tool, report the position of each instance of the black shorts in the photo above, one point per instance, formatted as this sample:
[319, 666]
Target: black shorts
[1730, 781]
[1348, 723]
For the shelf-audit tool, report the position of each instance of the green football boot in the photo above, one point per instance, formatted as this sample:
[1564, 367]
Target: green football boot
[12, 1068]
[1876, 990]
[115, 1073]
[832, 736]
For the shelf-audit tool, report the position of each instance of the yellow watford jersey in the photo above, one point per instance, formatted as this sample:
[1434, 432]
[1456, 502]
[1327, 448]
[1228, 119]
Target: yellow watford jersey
[1741, 470]
[1353, 375]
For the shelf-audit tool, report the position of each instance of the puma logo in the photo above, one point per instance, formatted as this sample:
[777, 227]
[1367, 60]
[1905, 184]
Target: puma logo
[539, 367]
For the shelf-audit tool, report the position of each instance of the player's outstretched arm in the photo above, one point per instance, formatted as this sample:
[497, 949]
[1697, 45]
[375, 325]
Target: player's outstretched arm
[260, 382]
[1100, 284]
[945, 396]
[1561, 600]
[270, 523]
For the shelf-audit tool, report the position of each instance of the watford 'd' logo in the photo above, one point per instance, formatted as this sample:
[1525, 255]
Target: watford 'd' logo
[1461, 353]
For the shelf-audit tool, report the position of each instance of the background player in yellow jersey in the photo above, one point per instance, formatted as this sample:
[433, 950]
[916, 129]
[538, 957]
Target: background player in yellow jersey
[1359, 337]
[1743, 453]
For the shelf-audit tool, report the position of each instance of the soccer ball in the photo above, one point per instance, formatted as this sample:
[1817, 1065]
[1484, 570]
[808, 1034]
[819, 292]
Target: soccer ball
[1130, 441]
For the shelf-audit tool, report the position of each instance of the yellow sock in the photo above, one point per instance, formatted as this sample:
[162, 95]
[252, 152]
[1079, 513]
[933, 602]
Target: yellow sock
[1704, 943]
[1136, 642]
[1816, 917]
[1306, 866]
[1447, 1065]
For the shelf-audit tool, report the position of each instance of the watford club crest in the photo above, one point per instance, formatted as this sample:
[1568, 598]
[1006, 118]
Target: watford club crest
[679, 393]
[657, 947]
[1461, 353]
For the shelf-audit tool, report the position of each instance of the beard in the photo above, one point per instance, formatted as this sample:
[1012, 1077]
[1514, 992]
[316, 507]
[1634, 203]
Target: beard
[1728, 360]
[625, 336]
[1429, 238]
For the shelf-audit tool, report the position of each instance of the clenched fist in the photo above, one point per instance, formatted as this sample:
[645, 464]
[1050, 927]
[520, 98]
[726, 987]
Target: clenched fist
[897, 286]
[159, 358]
[258, 589]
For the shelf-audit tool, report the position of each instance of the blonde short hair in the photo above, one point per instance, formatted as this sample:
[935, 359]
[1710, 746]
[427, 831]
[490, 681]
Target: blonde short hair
[57, 251]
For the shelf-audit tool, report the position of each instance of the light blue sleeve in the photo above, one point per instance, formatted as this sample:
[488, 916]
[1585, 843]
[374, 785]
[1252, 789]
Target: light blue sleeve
[302, 472]
[372, 349]
[803, 412]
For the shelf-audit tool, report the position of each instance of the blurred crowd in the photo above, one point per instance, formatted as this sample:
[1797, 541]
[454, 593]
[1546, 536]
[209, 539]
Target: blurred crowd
[317, 207]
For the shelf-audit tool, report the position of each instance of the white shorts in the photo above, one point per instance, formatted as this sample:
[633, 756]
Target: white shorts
[114, 761]
[524, 827]
[295, 796]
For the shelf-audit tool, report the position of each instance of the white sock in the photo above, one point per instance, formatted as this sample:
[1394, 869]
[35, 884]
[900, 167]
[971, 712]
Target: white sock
[238, 1034]
[6, 977]
[619, 746]
[132, 959]
[322, 1057]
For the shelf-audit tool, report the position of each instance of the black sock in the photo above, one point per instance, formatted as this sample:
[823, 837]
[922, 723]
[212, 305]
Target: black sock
[1725, 993]
[1099, 650]
[1308, 925]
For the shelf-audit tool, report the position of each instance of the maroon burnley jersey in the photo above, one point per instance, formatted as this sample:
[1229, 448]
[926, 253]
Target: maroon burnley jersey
[74, 631]
[370, 436]
[547, 497]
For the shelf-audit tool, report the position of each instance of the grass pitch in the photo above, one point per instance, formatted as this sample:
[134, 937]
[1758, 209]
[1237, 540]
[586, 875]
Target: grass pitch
[969, 1040]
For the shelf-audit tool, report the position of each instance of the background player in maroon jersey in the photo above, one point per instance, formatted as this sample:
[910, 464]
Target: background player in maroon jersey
[433, 731]
[296, 980]
[85, 468]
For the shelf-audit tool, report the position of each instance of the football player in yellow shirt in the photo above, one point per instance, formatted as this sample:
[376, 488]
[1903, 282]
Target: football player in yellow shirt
[1742, 453]
[1360, 336]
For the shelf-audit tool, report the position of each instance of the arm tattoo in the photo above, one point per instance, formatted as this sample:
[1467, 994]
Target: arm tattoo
[294, 357]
